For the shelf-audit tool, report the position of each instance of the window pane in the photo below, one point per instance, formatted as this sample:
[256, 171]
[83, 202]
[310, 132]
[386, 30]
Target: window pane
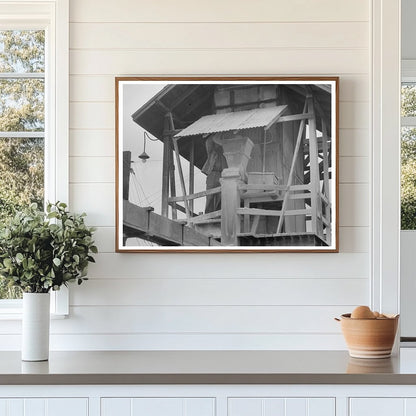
[22, 108]
[21, 173]
[408, 178]
[22, 51]
[22, 105]
[21, 182]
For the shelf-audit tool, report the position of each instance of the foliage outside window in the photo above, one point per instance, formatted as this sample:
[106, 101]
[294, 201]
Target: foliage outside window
[22, 125]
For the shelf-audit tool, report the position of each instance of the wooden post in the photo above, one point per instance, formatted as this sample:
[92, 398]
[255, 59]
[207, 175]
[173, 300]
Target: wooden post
[230, 202]
[172, 180]
[191, 174]
[326, 179]
[126, 174]
[291, 172]
[237, 152]
[181, 177]
[166, 166]
[314, 169]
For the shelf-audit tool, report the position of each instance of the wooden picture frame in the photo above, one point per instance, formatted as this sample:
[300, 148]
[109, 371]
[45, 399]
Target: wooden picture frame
[227, 164]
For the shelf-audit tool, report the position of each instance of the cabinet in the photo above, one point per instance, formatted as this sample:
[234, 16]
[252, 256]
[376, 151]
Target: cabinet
[208, 400]
[44, 407]
[156, 406]
[391, 406]
[281, 407]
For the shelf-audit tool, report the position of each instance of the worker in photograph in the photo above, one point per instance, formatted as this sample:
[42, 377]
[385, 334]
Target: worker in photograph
[213, 168]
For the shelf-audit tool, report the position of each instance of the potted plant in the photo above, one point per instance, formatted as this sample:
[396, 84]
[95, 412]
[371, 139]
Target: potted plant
[40, 252]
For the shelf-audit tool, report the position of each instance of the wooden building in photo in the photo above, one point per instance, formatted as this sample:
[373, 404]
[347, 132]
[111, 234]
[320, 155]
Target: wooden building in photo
[274, 185]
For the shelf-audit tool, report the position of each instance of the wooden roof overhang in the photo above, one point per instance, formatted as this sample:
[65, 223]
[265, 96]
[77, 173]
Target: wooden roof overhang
[189, 102]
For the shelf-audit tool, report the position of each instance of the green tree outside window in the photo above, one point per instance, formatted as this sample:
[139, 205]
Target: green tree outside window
[22, 97]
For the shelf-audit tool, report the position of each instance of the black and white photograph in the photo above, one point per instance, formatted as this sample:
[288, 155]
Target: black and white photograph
[227, 164]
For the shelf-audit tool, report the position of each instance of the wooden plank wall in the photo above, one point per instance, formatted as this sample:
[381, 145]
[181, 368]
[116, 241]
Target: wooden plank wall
[197, 301]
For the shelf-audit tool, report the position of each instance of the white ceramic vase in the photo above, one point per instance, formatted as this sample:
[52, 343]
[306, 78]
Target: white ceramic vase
[35, 326]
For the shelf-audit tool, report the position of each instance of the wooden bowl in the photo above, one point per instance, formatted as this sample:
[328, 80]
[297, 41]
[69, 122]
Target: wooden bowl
[369, 338]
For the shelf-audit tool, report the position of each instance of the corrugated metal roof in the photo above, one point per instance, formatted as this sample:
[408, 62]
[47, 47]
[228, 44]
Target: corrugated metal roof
[248, 119]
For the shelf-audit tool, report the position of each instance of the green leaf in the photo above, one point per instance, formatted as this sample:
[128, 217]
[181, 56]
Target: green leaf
[57, 262]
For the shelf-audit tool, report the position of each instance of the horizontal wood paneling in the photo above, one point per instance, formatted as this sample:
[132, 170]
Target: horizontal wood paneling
[354, 170]
[213, 301]
[200, 319]
[221, 35]
[354, 205]
[354, 239]
[92, 115]
[354, 115]
[96, 199]
[194, 319]
[92, 169]
[146, 342]
[104, 238]
[98, 88]
[354, 142]
[298, 61]
[218, 11]
[230, 266]
[95, 143]
[218, 291]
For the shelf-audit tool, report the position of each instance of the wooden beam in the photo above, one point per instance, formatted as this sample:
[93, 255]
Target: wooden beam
[314, 168]
[201, 194]
[192, 173]
[172, 180]
[254, 187]
[182, 209]
[294, 117]
[268, 196]
[126, 174]
[327, 214]
[271, 212]
[300, 90]
[324, 87]
[205, 217]
[181, 177]
[166, 167]
[292, 170]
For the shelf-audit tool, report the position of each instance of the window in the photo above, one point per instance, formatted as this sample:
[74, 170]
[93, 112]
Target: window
[33, 111]
[22, 124]
[408, 152]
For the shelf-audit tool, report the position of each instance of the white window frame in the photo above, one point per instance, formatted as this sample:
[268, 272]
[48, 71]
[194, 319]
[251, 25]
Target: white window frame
[53, 17]
[385, 114]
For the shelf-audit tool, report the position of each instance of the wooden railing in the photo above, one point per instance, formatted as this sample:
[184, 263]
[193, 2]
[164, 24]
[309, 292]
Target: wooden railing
[262, 192]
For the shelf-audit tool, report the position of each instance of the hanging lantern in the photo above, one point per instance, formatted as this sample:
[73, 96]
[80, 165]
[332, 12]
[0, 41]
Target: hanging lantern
[144, 156]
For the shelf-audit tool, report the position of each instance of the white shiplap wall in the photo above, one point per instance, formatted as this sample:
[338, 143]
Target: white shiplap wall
[185, 301]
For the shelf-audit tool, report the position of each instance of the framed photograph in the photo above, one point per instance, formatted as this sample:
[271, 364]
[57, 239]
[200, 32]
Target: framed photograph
[236, 164]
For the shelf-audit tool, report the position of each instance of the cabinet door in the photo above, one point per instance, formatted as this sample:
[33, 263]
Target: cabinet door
[44, 407]
[382, 406]
[154, 406]
[272, 406]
